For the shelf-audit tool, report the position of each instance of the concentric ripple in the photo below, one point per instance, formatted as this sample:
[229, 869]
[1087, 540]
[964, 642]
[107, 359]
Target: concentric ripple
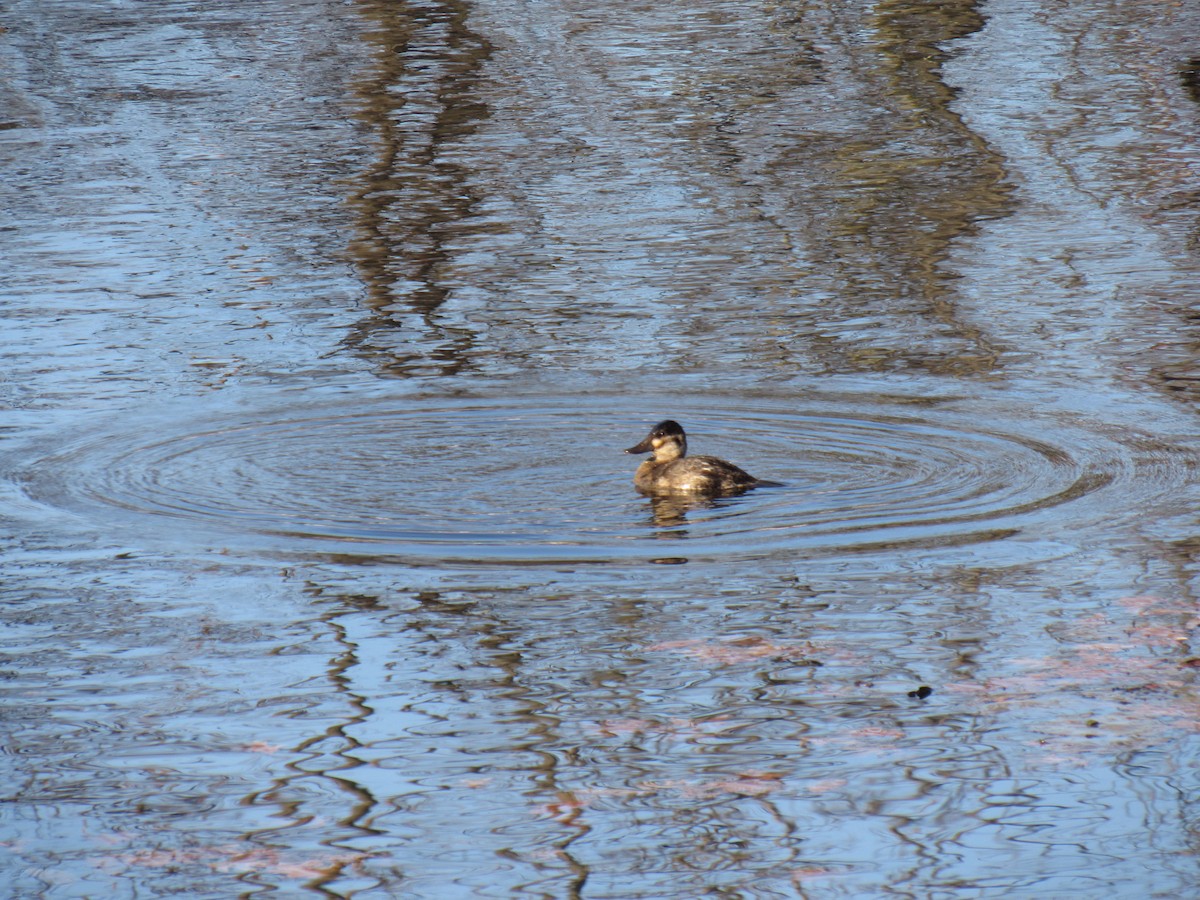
[519, 480]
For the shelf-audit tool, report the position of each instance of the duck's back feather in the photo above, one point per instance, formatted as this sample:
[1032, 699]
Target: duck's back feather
[693, 475]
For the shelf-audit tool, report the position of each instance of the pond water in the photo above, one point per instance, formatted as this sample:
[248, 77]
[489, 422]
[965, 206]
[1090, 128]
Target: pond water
[325, 328]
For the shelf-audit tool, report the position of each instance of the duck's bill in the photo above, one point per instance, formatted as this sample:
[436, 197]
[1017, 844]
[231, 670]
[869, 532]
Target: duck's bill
[644, 447]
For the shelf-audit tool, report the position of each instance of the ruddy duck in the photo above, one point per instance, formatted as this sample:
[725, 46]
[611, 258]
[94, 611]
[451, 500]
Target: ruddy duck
[671, 471]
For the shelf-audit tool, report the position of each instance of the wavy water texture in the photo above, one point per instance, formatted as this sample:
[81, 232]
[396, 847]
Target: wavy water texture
[528, 481]
[324, 325]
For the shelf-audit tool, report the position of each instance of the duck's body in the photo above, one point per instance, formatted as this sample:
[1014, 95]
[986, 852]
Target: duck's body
[671, 471]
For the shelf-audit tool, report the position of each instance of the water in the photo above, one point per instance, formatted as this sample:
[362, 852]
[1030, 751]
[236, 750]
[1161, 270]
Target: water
[323, 572]
[329, 479]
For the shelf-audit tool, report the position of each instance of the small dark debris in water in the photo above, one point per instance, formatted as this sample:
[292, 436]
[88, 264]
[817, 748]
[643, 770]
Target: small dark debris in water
[921, 693]
[1192, 662]
[1093, 723]
[428, 597]
[128, 554]
[670, 561]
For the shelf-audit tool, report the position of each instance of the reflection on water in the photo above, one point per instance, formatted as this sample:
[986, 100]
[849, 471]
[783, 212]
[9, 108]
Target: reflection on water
[900, 178]
[759, 227]
[667, 511]
[324, 330]
[420, 98]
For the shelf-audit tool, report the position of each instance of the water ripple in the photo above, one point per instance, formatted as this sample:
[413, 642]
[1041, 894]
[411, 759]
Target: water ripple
[543, 480]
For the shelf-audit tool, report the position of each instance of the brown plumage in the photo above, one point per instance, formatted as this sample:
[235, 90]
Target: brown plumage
[671, 471]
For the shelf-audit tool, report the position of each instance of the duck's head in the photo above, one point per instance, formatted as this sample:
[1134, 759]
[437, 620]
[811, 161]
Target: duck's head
[666, 441]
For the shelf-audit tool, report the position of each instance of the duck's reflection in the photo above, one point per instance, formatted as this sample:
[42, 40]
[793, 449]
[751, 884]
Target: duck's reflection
[669, 512]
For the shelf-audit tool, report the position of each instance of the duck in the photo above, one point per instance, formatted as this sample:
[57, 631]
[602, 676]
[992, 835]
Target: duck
[671, 471]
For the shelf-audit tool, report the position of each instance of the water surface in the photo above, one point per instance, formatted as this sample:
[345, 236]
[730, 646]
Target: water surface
[324, 331]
